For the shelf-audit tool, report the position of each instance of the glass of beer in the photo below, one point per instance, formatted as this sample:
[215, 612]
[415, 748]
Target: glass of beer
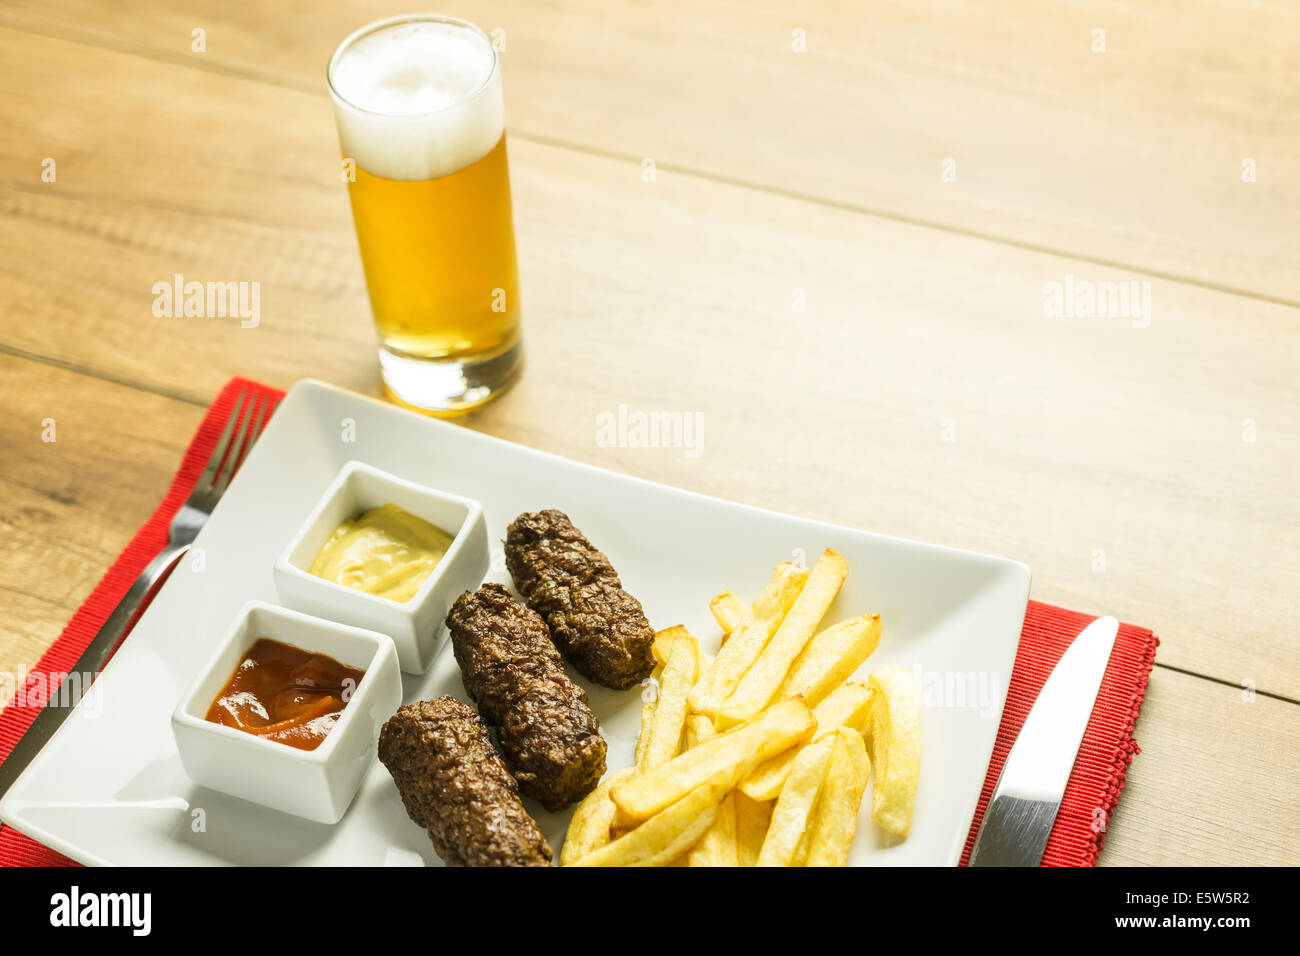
[421, 123]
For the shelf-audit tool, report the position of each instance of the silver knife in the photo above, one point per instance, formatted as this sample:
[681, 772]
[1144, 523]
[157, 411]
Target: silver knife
[1023, 807]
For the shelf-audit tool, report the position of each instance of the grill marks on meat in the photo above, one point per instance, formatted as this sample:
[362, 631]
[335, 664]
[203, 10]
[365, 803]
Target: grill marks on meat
[456, 786]
[515, 676]
[596, 624]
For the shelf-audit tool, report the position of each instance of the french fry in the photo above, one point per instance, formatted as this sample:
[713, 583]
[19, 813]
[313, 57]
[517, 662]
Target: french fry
[765, 676]
[647, 724]
[895, 748]
[752, 820]
[796, 803]
[669, 715]
[661, 648]
[728, 610]
[730, 756]
[801, 854]
[718, 845]
[748, 639]
[861, 760]
[663, 644]
[591, 820]
[698, 728]
[666, 835]
[836, 818]
[848, 705]
[831, 657]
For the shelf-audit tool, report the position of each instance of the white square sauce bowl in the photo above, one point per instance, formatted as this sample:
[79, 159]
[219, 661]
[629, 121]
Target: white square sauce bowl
[414, 625]
[316, 784]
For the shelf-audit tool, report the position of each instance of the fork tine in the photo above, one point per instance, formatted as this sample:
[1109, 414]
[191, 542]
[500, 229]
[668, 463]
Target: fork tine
[255, 432]
[272, 404]
[219, 452]
[236, 455]
[269, 405]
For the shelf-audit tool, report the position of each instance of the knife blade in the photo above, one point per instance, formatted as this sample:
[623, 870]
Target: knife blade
[1028, 794]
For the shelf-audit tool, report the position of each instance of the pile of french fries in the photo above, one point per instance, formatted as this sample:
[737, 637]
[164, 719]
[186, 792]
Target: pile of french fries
[762, 755]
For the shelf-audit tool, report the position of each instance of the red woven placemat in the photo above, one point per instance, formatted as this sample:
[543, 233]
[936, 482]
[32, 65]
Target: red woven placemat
[1108, 744]
[1090, 796]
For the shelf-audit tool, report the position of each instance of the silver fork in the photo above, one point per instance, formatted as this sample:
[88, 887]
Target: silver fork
[225, 460]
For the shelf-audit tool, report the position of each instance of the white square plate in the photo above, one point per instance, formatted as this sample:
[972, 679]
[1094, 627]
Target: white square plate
[109, 787]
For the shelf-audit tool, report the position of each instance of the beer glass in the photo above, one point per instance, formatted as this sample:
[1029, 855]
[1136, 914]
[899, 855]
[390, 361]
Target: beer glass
[421, 123]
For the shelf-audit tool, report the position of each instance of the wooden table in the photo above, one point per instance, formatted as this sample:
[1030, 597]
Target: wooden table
[843, 264]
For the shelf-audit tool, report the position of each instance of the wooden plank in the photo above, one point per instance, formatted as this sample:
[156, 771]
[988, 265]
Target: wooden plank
[1131, 156]
[1215, 781]
[72, 503]
[1110, 458]
[1210, 783]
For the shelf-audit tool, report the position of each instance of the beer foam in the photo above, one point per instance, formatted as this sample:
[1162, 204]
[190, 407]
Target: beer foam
[417, 99]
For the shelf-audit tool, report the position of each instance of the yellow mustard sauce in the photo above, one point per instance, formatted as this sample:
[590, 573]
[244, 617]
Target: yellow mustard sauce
[388, 552]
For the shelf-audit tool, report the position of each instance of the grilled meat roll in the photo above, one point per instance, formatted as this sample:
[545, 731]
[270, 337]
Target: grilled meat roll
[456, 786]
[596, 624]
[515, 676]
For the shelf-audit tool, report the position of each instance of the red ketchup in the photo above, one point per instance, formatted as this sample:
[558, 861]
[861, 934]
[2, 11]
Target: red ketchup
[285, 694]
